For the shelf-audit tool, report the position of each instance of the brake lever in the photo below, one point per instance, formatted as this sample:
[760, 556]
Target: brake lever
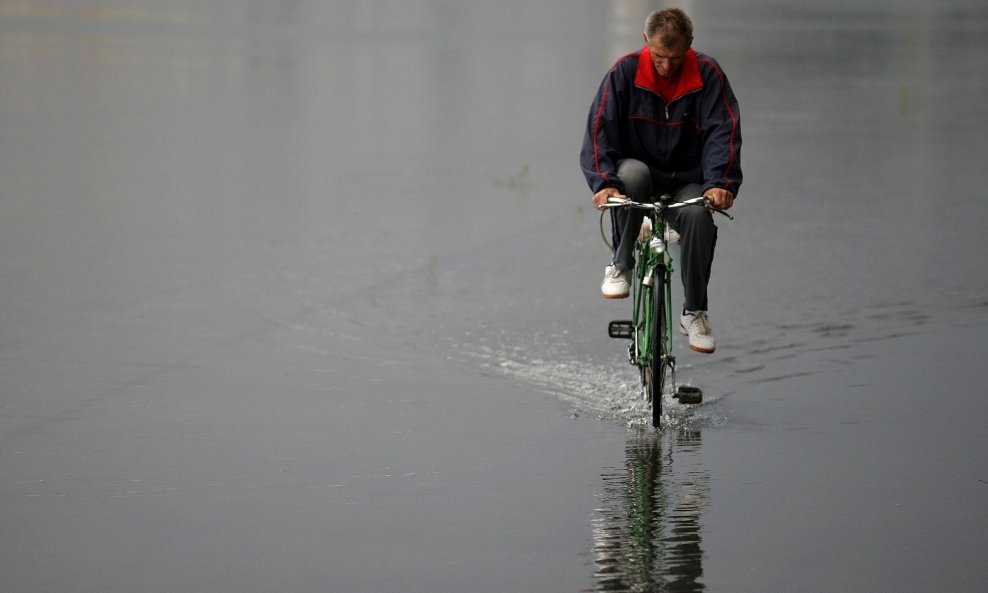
[710, 206]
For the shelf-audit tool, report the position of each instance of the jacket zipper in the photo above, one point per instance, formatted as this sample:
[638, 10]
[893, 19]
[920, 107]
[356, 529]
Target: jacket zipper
[686, 94]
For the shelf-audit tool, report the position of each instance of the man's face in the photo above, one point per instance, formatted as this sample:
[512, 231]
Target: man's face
[667, 60]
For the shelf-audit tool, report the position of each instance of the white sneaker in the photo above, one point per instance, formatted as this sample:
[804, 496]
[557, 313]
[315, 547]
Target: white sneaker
[696, 325]
[617, 283]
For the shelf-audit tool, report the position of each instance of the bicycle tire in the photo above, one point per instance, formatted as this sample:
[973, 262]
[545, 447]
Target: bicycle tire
[655, 368]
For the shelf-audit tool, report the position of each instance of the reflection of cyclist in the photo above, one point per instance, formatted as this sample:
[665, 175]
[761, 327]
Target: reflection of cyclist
[665, 120]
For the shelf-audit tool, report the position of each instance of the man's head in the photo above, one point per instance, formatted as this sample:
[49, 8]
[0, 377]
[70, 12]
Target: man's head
[669, 35]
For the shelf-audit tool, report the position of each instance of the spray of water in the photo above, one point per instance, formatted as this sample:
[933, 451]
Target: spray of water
[605, 391]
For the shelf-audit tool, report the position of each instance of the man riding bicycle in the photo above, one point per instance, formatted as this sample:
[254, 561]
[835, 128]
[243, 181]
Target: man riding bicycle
[665, 120]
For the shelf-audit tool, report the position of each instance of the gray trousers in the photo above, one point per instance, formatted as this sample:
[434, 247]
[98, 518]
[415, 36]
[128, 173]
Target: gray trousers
[695, 225]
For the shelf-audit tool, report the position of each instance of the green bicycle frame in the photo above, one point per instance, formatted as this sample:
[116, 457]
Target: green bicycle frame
[652, 265]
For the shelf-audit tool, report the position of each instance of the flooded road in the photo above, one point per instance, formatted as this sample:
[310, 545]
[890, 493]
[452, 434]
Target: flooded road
[303, 296]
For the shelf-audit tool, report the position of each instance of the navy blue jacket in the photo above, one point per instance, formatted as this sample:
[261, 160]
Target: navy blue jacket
[686, 131]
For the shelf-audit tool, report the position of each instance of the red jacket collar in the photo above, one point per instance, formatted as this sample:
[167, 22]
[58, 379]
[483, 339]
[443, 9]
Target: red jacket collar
[689, 78]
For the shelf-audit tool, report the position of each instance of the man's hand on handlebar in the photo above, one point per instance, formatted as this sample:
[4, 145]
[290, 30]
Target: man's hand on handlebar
[600, 198]
[719, 198]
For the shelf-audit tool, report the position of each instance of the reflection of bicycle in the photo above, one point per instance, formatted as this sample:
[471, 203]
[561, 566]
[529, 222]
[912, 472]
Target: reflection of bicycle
[647, 536]
[650, 329]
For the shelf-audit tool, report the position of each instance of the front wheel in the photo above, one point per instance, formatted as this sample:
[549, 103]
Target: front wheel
[655, 367]
[654, 376]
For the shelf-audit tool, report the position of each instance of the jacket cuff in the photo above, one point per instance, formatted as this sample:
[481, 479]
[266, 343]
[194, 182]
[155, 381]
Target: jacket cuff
[615, 183]
[707, 186]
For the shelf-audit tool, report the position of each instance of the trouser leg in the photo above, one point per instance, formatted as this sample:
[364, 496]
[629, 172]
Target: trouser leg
[697, 240]
[625, 224]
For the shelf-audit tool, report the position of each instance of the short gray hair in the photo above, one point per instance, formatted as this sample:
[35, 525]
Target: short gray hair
[671, 25]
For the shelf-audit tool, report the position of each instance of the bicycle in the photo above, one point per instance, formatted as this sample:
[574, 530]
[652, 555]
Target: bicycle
[650, 329]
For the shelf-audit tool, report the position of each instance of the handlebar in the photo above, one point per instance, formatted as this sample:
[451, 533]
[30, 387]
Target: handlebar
[662, 204]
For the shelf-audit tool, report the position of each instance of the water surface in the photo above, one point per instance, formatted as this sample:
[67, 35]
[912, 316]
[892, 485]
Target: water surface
[303, 296]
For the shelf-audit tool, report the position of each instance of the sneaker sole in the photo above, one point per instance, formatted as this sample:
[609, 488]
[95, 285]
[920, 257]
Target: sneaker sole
[696, 348]
[615, 296]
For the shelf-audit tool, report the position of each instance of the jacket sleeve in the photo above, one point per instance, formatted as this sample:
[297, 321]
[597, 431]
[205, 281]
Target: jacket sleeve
[602, 141]
[721, 123]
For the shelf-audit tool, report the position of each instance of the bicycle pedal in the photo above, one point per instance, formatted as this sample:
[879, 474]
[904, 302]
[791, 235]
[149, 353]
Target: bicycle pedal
[621, 329]
[689, 395]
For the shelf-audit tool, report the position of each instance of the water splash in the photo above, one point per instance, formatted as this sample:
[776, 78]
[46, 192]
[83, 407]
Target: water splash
[604, 391]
